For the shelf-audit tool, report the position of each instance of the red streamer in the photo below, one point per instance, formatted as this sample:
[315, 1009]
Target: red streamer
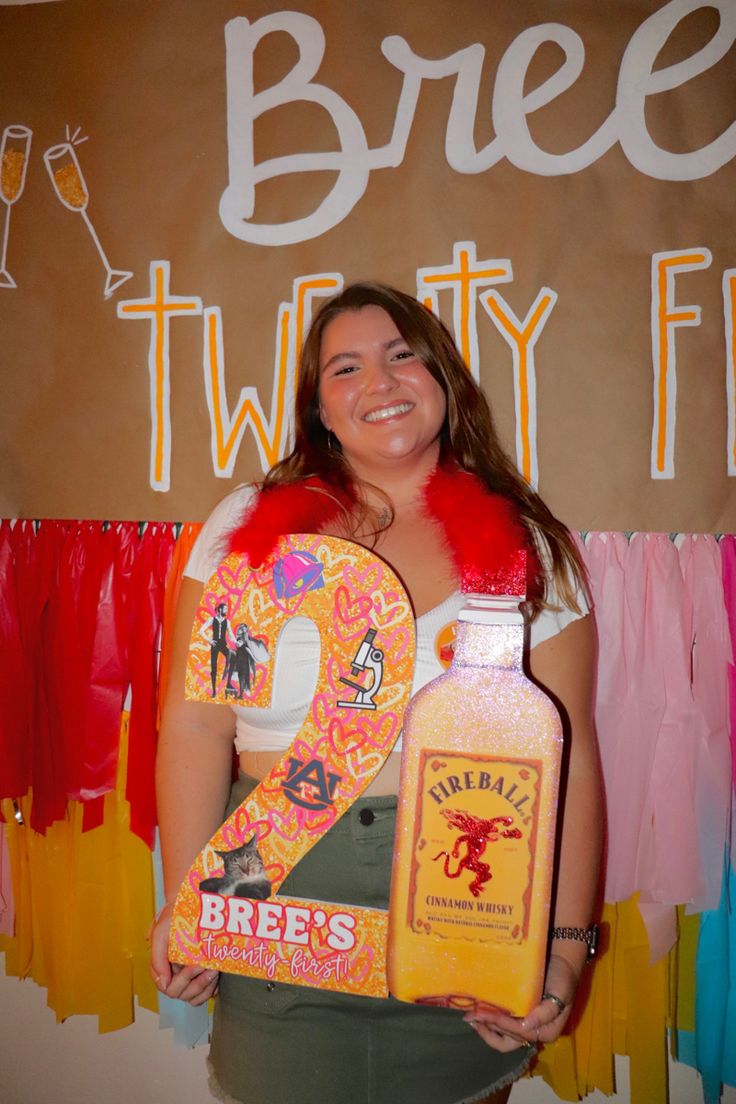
[81, 605]
[15, 760]
[144, 616]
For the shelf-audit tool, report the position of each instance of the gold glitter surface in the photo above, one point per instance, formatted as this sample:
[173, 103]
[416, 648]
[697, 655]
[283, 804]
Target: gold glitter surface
[483, 741]
[316, 943]
[357, 593]
[11, 173]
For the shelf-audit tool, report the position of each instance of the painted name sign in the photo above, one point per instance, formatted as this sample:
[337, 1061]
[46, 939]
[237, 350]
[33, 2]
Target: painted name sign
[471, 281]
[511, 106]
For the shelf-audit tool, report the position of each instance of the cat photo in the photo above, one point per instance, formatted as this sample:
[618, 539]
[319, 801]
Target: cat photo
[244, 874]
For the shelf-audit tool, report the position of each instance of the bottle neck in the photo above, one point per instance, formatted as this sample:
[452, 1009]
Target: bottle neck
[490, 632]
[483, 645]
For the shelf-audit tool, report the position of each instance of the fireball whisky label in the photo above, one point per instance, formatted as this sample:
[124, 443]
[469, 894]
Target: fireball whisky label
[474, 845]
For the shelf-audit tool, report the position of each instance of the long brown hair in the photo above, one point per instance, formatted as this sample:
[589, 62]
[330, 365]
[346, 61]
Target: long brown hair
[468, 436]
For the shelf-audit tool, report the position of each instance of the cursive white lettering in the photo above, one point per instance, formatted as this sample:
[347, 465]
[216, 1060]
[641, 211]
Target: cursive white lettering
[511, 105]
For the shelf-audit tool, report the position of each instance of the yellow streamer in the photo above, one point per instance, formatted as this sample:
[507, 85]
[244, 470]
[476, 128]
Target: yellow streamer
[682, 976]
[626, 1012]
[83, 904]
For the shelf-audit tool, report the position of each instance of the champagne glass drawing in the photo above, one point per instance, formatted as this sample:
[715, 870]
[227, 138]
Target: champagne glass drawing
[71, 188]
[14, 151]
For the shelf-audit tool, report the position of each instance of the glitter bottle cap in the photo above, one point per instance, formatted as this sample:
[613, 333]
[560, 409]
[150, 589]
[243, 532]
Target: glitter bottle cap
[507, 579]
[492, 609]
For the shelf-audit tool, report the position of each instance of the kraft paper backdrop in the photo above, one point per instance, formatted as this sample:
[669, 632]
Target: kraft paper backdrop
[146, 83]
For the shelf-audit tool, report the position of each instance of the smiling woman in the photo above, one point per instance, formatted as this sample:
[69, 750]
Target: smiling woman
[394, 448]
[376, 396]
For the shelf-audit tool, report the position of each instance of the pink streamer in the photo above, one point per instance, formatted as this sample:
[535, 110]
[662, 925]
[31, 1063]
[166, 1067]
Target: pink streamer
[645, 713]
[728, 563]
[669, 869]
[700, 557]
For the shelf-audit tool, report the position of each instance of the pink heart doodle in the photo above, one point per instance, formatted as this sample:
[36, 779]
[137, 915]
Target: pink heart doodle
[287, 827]
[323, 710]
[388, 608]
[378, 733]
[234, 574]
[395, 642]
[363, 762]
[366, 581]
[247, 819]
[333, 670]
[361, 964]
[319, 823]
[352, 612]
[341, 741]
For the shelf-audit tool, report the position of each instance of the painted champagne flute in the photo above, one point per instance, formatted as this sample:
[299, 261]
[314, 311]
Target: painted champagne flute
[14, 151]
[71, 188]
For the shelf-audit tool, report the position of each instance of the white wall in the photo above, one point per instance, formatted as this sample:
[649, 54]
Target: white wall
[70, 1063]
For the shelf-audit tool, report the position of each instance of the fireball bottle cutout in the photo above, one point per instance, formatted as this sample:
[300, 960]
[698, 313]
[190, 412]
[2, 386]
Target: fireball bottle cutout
[477, 834]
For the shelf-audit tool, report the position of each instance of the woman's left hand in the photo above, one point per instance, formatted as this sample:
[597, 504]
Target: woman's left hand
[543, 1024]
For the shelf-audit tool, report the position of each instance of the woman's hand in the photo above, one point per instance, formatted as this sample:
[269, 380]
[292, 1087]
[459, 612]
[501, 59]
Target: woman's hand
[543, 1024]
[192, 984]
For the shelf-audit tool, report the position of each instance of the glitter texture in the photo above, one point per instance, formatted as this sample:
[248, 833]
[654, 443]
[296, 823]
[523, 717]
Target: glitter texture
[489, 645]
[338, 947]
[510, 579]
[469, 913]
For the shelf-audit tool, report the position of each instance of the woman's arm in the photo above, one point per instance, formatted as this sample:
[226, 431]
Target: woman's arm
[193, 770]
[564, 666]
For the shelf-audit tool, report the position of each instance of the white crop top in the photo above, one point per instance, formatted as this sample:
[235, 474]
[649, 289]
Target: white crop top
[297, 655]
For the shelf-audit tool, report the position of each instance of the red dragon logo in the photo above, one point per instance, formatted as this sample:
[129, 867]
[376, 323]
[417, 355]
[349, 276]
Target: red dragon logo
[477, 834]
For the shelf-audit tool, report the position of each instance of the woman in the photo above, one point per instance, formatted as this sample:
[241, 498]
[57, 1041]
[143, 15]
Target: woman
[385, 409]
[242, 661]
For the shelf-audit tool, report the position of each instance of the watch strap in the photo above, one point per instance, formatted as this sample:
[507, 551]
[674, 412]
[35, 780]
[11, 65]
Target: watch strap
[587, 935]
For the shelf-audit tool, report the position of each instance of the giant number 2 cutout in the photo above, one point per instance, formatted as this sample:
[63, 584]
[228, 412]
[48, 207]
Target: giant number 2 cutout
[227, 914]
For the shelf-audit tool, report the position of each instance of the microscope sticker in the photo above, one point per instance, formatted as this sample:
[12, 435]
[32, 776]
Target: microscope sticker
[367, 658]
[229, 913]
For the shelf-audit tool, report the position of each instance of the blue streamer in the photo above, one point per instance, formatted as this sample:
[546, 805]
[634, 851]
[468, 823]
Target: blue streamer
[191, 1024]
[711, 1048]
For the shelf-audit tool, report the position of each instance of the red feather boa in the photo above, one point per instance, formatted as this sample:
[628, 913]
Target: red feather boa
[489, 546]
[306, 507]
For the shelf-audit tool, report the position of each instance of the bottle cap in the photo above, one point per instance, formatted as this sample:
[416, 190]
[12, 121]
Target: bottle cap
[508, 580]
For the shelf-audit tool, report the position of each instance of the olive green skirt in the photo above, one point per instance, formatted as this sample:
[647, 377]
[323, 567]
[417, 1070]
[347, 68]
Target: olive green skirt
[295, 1045]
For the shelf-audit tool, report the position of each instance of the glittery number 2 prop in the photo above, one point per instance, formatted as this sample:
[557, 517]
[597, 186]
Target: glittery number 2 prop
[227, 913]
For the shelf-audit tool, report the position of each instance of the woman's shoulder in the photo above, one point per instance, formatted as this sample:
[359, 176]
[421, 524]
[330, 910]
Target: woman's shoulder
[211, 544]
[557, 612]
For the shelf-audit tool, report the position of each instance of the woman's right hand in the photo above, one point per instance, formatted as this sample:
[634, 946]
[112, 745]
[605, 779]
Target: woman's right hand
[192, 984]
